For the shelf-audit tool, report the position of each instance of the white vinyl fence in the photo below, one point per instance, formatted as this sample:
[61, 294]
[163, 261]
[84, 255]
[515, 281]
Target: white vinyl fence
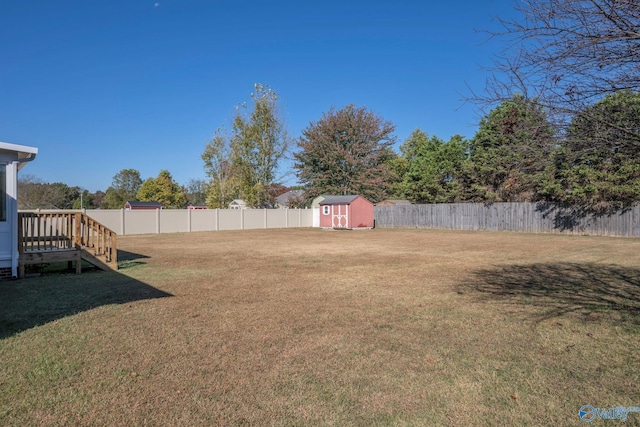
[125, 222]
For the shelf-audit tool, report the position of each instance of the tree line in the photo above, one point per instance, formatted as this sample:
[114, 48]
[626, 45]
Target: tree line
[562, 125]
[127, 185]
[516, 155]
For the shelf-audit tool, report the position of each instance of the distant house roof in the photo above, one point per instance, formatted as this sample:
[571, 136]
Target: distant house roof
[283, 199]
[338, 200]
[143, 205]
[237, 204]
[316, 202]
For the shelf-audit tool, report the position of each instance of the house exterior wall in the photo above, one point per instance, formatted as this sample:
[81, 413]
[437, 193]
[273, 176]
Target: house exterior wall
[11, 158]
[9, 227]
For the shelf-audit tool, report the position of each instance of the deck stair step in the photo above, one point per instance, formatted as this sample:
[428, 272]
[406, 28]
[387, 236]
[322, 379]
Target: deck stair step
[71, 236]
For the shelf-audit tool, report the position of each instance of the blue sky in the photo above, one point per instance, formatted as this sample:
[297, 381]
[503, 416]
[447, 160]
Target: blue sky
[100, 86]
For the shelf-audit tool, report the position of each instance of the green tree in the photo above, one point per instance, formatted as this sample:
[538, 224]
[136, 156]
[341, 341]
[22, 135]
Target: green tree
[112, 200]
[346, 152]
[223, 184]
[85, 201]
[258, 143]
[398, 167]
[511, 148]
[196, 192]
[163, 189]
[435, 169]
[597, 166]
[124, 187]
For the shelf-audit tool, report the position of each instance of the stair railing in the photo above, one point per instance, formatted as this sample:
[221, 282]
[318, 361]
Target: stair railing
[60, 230]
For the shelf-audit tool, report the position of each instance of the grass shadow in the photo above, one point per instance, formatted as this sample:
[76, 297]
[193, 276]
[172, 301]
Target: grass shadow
[31, 302]
[128, 259]
[560, 288]
[130, 256]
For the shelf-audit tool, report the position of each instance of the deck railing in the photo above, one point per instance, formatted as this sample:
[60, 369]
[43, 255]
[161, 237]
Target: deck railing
[55, 231]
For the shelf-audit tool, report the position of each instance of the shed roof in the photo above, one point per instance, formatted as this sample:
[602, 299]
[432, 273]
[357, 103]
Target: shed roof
[339, 200]
[137, 204]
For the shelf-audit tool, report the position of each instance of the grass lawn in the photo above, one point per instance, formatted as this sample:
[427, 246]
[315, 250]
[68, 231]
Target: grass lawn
[310, 327]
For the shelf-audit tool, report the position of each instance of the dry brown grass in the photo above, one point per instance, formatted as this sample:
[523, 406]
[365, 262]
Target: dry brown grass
[310, 327]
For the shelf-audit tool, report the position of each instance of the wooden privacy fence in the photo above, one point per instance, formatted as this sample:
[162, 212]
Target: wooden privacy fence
[517, 217]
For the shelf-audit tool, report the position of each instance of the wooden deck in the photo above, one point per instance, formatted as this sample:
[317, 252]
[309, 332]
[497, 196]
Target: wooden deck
[45, 237]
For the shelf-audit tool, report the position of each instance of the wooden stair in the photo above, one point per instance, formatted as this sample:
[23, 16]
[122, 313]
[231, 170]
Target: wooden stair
[99, 261]
[59, 236]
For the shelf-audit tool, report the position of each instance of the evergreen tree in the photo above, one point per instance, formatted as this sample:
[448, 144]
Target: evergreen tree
[435, 168]
[511, 148]
[598, 164]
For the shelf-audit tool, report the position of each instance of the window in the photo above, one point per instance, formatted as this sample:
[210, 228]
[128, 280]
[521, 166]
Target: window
[3, 193]
[325, 210]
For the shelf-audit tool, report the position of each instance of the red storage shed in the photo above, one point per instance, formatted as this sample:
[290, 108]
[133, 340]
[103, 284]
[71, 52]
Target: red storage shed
[346, 212]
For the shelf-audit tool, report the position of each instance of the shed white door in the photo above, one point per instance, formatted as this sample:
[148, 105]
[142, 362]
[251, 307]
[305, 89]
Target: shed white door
[339, 216]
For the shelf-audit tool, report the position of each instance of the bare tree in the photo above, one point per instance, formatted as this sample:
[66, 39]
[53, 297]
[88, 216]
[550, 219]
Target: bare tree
[568, 54]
